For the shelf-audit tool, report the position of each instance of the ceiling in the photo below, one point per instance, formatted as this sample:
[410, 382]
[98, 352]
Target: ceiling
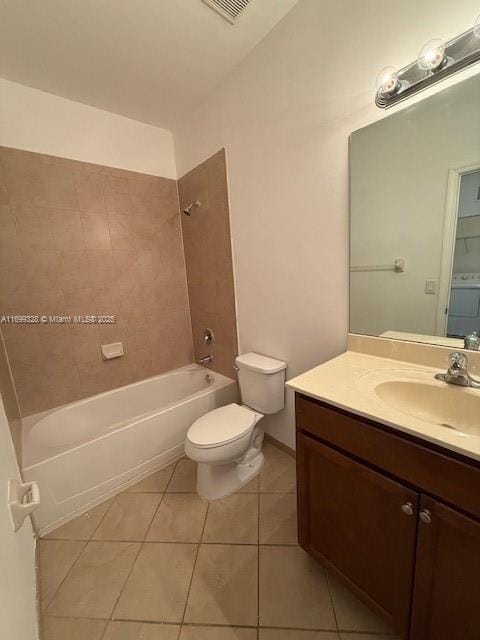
[145, 59]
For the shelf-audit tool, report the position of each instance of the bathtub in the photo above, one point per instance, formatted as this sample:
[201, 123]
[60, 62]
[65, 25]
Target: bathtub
[87, 451]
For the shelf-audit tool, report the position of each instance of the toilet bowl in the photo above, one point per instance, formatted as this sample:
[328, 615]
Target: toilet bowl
[227, 442]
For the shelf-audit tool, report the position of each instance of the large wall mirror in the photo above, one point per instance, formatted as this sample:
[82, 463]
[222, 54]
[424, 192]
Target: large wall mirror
[415, 220]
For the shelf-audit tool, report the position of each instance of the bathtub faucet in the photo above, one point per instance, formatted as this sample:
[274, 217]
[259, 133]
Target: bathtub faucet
[206, 360]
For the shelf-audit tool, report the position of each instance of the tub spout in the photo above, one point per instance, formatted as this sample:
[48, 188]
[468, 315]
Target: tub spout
[206, 360]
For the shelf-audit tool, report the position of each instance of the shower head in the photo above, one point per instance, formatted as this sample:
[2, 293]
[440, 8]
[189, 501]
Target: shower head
[188, 210]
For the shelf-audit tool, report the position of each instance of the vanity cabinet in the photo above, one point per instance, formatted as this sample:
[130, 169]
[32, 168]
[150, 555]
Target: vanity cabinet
[396, 520]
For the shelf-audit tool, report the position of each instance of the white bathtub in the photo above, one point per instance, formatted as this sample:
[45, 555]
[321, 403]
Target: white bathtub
[86, 451]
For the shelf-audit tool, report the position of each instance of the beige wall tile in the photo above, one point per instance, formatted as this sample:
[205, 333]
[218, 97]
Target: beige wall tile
[129, 517]
[207, 243]
[141, 631]
[224, 586]
[293, 590]
[92, 587]
[233, 520]
[72, 628]
[10, 402]
[180, 518]
[158, 585]
[81, 239]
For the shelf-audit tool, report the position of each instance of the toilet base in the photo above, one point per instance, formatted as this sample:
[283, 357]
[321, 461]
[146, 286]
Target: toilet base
[218, 481]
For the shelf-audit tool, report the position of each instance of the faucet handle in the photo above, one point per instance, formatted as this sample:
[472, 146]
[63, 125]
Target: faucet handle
[458, 360]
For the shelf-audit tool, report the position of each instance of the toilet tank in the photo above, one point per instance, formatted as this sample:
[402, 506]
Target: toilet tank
[262, 382]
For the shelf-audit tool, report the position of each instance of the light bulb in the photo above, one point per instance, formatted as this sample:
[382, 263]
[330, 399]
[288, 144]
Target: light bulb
[476, 27]
[387, 81]
[432, 55]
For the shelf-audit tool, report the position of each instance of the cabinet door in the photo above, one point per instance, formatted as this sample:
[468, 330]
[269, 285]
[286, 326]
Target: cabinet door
[361, 525]
[446, 602]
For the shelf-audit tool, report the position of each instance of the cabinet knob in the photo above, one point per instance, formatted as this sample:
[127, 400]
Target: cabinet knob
[426, 516]
[408, 508]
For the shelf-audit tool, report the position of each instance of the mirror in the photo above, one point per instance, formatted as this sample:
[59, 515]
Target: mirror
[415, 221]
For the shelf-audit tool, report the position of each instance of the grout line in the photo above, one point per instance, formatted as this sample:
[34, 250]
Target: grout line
[258, 560]
[153, 518]
[102, 518]
[195, 564]
[140, 547]
[44, 609]
[327, 580]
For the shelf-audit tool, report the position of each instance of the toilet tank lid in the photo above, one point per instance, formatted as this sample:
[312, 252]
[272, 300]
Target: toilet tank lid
[257, 362]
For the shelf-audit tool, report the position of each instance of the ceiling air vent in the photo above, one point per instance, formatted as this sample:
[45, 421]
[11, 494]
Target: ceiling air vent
[228, 9]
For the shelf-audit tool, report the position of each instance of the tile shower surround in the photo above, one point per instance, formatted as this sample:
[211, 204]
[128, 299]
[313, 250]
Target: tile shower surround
[84, 239]
[208, 256]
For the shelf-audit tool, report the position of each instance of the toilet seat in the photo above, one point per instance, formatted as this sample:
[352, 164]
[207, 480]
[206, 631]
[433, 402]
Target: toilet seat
[222, 426]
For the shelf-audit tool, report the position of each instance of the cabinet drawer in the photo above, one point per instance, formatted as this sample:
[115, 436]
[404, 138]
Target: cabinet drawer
[453, 480]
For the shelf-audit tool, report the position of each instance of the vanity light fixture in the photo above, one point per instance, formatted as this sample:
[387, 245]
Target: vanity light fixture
[387, 82]
[432, 55]
[436, 61]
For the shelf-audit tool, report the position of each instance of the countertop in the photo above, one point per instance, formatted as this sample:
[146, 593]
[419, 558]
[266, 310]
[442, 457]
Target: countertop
[339, 382]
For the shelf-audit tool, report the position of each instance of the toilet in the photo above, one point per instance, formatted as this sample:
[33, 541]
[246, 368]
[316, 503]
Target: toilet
[227, 442]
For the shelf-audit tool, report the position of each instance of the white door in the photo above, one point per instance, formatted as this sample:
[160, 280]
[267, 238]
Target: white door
[18, 616]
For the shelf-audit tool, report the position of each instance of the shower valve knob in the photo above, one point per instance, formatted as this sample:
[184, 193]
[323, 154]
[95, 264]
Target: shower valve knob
[208, 336]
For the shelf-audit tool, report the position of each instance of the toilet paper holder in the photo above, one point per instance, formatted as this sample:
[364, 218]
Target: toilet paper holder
[23, 499]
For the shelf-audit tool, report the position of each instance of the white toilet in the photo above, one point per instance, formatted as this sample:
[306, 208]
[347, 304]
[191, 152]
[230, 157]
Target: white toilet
[227, 442]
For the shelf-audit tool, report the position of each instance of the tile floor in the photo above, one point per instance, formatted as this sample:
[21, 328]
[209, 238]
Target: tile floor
[159, 563]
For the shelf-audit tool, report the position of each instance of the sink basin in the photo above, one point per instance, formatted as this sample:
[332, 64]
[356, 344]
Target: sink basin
[419, 395]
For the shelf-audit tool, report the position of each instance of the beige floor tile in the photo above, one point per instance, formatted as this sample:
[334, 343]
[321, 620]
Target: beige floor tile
[352, 614]
[224, 586]
[94, 584]
[217, 633]
[251, 487]
[293, 634]
[366, 636]
[233, 520]
[278, 473]
[56, 558]
[129, 517]
[184, 478]
[141, 631]
[157, 588]
[180, 518]
[293, 590]
[82, 527]
[278, 518]
[72, 629]
[156, 483]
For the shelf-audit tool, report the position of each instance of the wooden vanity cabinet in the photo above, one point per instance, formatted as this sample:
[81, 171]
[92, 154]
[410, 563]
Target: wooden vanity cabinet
[414, 560]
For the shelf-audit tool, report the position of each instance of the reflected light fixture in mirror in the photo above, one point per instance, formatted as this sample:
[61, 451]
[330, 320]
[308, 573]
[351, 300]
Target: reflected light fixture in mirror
[476, 27]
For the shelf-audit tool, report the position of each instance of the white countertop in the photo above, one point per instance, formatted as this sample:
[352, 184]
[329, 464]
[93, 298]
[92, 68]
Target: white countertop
[339, 382]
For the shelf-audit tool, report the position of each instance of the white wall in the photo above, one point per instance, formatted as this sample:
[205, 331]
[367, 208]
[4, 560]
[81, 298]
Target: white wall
[18, 618]
[284, 116]
[37, 121]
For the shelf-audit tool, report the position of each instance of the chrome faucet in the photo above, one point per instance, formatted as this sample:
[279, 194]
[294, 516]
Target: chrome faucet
[457, 372]
[206, 360]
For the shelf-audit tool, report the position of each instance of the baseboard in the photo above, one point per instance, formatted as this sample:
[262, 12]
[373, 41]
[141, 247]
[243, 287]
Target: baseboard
[283, 447]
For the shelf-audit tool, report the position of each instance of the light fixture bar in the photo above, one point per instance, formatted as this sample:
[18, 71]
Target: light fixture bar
[437, 61]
